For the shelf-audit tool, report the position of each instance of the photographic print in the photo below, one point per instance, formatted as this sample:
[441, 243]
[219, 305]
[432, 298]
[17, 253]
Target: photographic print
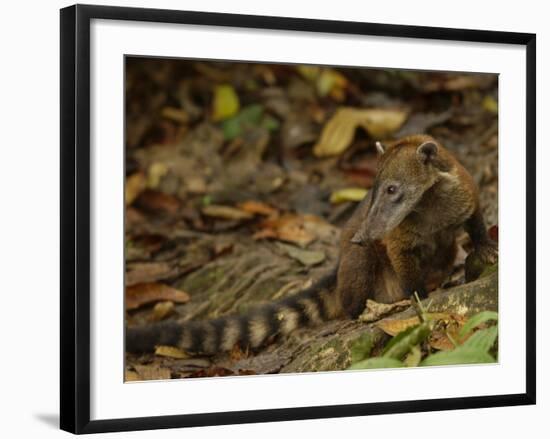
[288, 218]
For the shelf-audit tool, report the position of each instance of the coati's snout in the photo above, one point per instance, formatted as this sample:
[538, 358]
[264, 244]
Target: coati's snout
[391, 202]
[406, 172]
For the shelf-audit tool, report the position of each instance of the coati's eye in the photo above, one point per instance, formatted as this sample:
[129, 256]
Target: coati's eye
[391, 189]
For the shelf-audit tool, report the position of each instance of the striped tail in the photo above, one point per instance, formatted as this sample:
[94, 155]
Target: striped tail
[307, 308]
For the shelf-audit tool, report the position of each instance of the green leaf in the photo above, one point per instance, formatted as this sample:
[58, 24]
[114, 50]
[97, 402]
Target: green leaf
[482, 340]
[477, 320]
[250, 116]
[402, 343]
[460, 355]
[231, 128]
[377, 363]
[361, 348]
[414, 357]
[270, 123]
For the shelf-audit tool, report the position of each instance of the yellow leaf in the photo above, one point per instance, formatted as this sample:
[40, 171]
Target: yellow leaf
[395, 326]
[339, 131]
[170, 351]
[331, 82]
[162, 310]
[348, 194]
[135, 184]
[309, 72]
[490, 104]
[380, 123]
[226, 212]
[175, 114]
[155, 174]
[226, 102]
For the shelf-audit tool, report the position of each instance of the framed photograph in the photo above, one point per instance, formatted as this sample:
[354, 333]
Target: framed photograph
[268, 218]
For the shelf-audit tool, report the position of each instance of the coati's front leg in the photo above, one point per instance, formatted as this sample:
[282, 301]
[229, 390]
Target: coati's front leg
[484, 247]
[407, 267]
[356, 278]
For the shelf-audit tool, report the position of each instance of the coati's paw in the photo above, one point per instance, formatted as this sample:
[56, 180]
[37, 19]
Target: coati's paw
[480, 259]
[487, 253]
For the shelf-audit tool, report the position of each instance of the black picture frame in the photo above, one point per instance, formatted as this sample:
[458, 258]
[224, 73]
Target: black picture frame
[75, 217]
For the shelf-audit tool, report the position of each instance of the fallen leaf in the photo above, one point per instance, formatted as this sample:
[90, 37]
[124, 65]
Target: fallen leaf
[306, 257]
[131, 375]
[421, 122]
[226, 212]
[330, 82]
[395, 326]
[327, 81]
[170, 351]
[141, 294]
[490, 104]
[135, 184]
[348, 194]
[339, 131]
[212, 372]
[152, 372]
[162, 310]
[226, 102]
[175, 114]
[155, 174]
[257, 207]
[248, 117]
[440, 341]
[290, 228]
[144, 272]
[375, 311]
[152, 200]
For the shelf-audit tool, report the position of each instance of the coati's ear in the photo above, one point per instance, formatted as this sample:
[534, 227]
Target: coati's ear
[427, 152]
[380, 148]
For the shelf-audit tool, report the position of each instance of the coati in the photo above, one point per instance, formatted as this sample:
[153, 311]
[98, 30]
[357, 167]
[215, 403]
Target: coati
[400, 239]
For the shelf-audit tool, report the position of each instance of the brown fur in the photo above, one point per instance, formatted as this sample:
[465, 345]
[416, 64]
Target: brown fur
[423, 245]
[385, 263]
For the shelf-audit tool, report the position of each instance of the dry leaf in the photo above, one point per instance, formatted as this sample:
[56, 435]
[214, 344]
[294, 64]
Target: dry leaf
[131, 375]
[375, 311]
[212, 372]
[348, 194]
[306, 257]
[143, 272]
[226, 102]
[290, 228]
[152, 372]
[170, 351]
[447, 325]
[226, 212]
[257, 207]
[175, 114]
[152, 200]
[339, 131]
[135, 184]
[395, 326]
[440, 341]
[162, 310]
[141, 294]
[155, 174]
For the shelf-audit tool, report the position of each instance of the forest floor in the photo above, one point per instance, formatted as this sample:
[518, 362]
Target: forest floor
[240, 176]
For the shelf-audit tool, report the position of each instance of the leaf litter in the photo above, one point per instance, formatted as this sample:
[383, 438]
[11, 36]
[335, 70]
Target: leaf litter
[268, 161]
